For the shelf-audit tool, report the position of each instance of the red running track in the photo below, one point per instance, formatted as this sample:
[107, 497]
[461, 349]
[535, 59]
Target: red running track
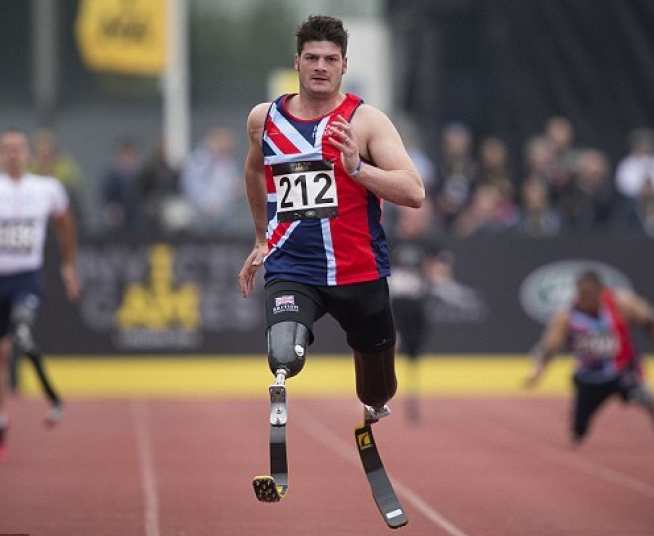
[473, 467]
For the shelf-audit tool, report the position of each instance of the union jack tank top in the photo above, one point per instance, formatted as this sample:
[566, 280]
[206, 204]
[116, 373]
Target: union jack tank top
[323, 227]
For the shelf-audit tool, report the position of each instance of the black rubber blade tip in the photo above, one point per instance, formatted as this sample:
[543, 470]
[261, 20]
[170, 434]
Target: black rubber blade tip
[266, 490]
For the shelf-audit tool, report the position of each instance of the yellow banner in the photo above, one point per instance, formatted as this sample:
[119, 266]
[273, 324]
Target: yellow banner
[123, 36]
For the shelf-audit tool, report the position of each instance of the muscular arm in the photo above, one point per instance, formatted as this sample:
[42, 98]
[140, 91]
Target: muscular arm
[393, 176]
[550, 344]
[255, 189]
[553, 339]
[255, 182]
[636, 311]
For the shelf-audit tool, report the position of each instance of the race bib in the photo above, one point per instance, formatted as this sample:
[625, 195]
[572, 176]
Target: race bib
[17, 237]
[598, 346]
[305, 190]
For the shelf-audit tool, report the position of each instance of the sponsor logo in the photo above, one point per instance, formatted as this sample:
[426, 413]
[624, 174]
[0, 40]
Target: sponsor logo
[284, 300]
[158, 311]
[285, 304]
[299, 167]
[364, 440]
[552, 287]
[162, 296]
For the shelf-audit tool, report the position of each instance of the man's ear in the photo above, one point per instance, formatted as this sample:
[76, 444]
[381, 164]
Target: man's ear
[296, 62]
[344, 65]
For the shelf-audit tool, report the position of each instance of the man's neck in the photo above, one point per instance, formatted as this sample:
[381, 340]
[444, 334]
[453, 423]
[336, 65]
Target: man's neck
[307, 107]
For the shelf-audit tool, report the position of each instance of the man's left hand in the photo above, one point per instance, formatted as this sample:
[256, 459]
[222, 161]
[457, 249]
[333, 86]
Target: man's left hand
[340, 135]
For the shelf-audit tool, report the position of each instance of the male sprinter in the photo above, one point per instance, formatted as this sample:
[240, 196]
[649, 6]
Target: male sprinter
[318, 166]
[596, 328]
[26, 203]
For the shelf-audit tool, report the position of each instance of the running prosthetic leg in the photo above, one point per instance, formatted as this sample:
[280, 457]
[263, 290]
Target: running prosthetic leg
[274, 488]
[23, 317]
[380, 485]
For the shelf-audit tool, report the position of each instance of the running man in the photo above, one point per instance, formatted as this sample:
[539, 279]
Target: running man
[318, 167]
[26, 204]
[597, 330]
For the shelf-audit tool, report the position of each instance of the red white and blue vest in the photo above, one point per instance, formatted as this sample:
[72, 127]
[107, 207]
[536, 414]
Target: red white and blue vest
[323, 227]
[601, 344]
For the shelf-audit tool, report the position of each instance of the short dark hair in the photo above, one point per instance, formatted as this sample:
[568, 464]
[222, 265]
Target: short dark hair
[590, 276]
[322, 28]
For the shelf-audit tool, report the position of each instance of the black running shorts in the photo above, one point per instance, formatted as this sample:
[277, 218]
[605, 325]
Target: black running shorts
[13, 289]
[362, 309]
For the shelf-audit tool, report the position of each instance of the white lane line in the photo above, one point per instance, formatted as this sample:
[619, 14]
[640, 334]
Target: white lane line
[590, 468]
[328, 438]
[146, 466]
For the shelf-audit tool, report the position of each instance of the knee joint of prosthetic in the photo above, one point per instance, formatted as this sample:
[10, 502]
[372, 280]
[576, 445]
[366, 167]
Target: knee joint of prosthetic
[23, 318]
[287, 346]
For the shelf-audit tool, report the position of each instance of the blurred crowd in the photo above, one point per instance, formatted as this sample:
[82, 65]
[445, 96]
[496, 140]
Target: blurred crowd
[553, 187]
[557, 187]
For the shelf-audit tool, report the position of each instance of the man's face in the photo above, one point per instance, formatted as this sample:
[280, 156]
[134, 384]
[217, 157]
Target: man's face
[320, 67]
[588, 296]
[14, 153]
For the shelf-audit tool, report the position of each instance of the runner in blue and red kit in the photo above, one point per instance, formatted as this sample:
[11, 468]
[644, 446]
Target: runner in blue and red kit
[319, 164]
[345, 247]
[596, 329]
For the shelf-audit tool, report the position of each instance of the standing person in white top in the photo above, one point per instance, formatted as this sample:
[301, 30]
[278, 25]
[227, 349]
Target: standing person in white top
[27, 202]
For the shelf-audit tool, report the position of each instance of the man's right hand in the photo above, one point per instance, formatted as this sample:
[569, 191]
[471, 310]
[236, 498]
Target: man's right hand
[247, 275]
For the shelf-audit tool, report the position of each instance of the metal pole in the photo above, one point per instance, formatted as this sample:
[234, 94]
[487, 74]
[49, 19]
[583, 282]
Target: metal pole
[45, 59]
[175, 83]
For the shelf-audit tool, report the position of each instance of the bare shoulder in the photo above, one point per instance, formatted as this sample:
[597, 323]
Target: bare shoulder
[257, 116]
[623, 296]
[371, 125]
[632, 305]
[256, 121]
[368, 116]
[626, 299]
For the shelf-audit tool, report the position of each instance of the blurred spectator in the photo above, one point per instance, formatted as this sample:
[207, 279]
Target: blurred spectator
[119, 189]
[414, 223]
[423, 163]
[457, 172]
[540, 160]
[592, 202]
[559, 131]
[156, 184]
[493, 162]
[491, 211]
[211, 181]
[416, 151]
[48, 160]
[637, 168]
[560, 135]
[643, 211]
[537, 218]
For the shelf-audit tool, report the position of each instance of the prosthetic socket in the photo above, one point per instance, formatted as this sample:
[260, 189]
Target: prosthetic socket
[287, 343]
[23, 318]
